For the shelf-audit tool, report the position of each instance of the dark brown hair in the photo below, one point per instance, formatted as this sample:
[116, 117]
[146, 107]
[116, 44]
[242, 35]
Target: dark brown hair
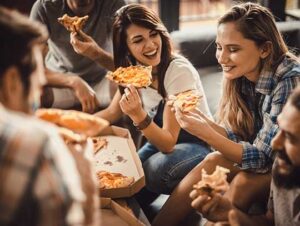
[142, 16]
[18, 35]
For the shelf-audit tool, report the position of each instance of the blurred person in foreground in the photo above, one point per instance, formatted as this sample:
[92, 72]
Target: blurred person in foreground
[284, 199]
[73, 79]
[259, 73]
[40, 180]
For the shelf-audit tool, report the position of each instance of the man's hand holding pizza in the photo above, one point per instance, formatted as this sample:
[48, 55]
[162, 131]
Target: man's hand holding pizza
[207, 195]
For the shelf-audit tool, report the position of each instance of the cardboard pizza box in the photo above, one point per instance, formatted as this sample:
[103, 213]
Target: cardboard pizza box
[120, 156]
[111, 213]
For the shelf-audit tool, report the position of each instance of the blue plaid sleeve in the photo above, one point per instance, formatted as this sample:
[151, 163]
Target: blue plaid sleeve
[258, 157]
[231, 135]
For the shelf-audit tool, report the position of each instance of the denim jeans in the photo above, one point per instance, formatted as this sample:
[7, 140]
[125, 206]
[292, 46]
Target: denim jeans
[164, 171]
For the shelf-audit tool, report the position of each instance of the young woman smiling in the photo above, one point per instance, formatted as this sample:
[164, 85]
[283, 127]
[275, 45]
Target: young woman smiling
[140, 38]
[259, 74]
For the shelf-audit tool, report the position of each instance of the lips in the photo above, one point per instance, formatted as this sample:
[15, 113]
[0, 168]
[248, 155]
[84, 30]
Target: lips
[151, 53]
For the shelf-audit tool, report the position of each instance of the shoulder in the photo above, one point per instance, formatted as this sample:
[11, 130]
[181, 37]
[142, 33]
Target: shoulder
[181, 64]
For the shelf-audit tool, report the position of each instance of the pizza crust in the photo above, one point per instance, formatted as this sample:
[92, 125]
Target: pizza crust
[73, 24]
[138, 76]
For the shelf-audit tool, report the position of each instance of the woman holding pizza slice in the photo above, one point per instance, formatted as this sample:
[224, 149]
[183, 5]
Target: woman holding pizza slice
[140, 38]
[259, 74]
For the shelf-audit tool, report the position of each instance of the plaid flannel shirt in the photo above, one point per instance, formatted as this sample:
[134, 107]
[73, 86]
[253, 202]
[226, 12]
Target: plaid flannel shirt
[33, 190]
[265, 99]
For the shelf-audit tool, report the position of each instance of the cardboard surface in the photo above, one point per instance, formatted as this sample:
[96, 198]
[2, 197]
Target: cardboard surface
[119, 156]
[112, 213]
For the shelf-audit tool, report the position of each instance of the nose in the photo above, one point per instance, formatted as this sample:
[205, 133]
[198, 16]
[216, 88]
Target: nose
[278, 141]
[149, 43]
[222, 56]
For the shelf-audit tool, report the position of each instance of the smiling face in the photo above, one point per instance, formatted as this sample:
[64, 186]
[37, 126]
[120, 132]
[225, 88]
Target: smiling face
[287, 144]
[144, 45]
[237, 55]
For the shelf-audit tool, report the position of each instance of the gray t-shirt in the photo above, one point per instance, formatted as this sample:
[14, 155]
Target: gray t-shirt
[285, 205]
[61, 56]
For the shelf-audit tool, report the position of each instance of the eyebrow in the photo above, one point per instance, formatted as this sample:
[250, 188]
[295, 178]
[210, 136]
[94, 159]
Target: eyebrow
[140, 36]
[228, 45]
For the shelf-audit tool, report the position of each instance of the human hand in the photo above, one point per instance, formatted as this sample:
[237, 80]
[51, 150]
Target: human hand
[131, 104]
[85, 94]
[84, 44]
[194, 122]
[214, 207]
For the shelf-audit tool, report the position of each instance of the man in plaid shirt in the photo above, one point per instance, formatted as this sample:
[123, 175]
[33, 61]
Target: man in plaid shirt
[40, 184]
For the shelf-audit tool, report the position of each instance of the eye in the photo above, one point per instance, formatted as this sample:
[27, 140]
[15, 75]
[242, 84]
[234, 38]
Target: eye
[233, 49]
[153, 33]
[137, 40]
[218, 47]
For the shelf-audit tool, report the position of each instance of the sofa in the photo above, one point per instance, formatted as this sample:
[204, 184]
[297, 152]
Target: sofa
[198, 46]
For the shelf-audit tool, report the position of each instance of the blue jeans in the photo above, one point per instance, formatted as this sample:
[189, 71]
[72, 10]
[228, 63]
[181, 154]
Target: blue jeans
[164, 171]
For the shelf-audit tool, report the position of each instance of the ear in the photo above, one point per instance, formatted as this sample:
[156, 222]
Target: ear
[11, 87]
[265, 49]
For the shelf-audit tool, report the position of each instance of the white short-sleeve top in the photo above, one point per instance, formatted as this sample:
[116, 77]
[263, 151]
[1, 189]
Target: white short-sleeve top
[180, 76]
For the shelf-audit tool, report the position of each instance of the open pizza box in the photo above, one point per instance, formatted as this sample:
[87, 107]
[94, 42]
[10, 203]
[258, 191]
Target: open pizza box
[111, 213]
[120, 156]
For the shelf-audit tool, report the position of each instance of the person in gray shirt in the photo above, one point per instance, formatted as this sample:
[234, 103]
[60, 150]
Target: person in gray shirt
[72, 78]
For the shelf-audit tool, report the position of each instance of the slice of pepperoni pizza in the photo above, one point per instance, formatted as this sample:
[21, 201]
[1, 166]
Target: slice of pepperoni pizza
[186, 101]
[139, 76]
[73, 24]
[108, 180]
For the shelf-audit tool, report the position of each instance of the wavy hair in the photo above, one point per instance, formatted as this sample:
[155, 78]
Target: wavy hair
[142, 16]
[255, 23]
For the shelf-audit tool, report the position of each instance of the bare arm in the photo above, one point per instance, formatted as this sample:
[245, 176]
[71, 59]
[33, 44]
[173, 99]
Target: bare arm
[85, 94]
[113, 112]
[163, 138]
[85, 45]
[210, 132]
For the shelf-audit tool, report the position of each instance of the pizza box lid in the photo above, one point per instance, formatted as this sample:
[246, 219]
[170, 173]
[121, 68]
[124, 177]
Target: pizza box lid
[111, 213]
[120, 156]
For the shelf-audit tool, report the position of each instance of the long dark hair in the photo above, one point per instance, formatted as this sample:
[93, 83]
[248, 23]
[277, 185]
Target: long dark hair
[256, 23]
[142, 16]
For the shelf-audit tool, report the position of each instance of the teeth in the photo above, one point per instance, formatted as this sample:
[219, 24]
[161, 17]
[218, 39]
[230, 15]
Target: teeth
[150, 53]
[226, 69]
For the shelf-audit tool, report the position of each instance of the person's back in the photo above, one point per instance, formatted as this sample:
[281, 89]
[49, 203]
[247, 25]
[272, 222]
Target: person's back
[36, 187]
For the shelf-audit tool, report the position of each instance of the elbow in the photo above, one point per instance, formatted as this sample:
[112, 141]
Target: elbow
[168, 149]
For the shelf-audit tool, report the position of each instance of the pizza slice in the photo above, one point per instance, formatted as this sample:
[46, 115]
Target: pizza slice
[108, 180]
[215, 182]
[79, 122]
[70, 137]
[186, 101]
[139, 76]
[73, 24]
[99, 143]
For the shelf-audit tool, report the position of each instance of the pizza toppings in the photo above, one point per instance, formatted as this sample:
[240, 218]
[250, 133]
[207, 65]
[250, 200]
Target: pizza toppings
[99, 143]
[185, 101]
[72, 24]
[76, 121]
[215, 182]
[138, 76]
[108, 180]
